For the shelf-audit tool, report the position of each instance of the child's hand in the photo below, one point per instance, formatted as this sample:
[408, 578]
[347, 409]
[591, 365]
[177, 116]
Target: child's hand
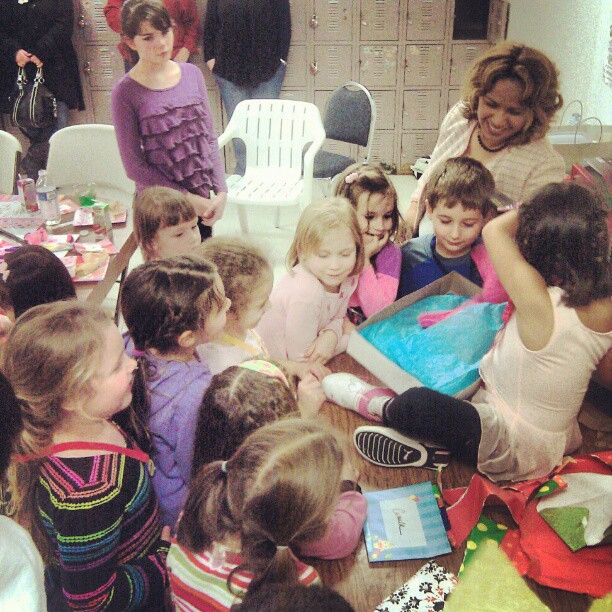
[310, 396]
[347, 326]
[322, 349]
[301, 369]
[215, 209]
[373, 244]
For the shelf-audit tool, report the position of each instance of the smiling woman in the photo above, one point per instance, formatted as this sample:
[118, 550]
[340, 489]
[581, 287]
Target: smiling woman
[509, 98]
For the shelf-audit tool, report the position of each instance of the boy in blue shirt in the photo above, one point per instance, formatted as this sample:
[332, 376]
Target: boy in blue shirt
[458, 200]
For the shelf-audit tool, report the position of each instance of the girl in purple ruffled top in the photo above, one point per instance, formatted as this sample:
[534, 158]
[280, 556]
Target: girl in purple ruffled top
[162, 116]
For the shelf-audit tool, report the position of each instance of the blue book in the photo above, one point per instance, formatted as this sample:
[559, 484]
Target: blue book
[404, 523]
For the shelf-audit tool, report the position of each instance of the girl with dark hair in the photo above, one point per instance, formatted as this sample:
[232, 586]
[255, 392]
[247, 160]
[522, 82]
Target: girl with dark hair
[244, 515]
[553, 259]
[170, 306]
[162, 116]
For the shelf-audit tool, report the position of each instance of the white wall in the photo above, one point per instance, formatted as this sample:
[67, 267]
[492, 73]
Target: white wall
[574, 34]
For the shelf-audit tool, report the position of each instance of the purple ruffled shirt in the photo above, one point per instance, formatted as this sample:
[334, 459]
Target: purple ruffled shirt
[166, 137]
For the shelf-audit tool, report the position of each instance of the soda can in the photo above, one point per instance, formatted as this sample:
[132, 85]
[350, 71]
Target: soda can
[102, 222]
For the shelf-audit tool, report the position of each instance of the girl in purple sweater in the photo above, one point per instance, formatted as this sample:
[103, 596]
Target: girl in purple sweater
[163, 119]
[375, 200]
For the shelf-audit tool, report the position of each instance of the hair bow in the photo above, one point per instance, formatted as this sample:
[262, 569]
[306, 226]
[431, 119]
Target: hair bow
[351, 178]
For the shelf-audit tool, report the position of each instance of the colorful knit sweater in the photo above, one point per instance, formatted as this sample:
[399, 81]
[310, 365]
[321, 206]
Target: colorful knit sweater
[101, 515]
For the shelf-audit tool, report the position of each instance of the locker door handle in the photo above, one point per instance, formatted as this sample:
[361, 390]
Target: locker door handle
[87, 68]
[314, 22]
[314, 68]
[81, 22]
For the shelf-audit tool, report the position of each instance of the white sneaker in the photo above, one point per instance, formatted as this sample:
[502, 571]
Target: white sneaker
[349, 391]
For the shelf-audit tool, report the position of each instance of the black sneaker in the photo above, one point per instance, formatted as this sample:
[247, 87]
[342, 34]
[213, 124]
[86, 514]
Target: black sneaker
[386, 447]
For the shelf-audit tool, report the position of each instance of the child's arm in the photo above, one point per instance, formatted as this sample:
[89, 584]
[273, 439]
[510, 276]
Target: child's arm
[301, 328]
[377, 288]
[524, 284]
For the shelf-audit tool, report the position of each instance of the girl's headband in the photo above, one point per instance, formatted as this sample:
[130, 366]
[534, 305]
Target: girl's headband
[265, 367]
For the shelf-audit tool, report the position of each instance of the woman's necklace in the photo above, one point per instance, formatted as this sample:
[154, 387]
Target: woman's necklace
[488, 149]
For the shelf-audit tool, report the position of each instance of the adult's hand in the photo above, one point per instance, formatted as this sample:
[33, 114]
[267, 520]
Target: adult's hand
[22, 58]
[211, 64]
[36, 61]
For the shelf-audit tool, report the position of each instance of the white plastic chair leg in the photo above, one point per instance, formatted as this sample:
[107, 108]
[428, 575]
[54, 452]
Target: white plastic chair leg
[242, 217]
[277, 217]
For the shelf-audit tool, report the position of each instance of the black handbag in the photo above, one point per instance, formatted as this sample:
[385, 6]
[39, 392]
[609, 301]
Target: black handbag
[33, 106]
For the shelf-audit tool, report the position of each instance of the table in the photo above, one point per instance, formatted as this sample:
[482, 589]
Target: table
[123, 238]
[365, 585]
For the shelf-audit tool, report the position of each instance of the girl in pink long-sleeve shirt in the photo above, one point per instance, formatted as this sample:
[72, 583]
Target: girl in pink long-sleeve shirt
[375, 200]
[246, 397]
[308, 306]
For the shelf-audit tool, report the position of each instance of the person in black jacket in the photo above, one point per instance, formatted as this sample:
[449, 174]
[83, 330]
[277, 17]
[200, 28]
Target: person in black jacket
[37, 33]
[246, 43]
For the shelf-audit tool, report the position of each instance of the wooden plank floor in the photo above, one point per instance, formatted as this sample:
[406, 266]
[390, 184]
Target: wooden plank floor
[365, 585]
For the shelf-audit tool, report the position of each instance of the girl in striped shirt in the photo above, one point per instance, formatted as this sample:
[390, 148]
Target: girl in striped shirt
[81, 487]
[242, 516]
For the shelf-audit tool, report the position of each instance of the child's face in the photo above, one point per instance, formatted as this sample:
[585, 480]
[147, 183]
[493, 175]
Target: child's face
[152, 46]
[179, 239]
[456, 228]
[333, 260]
[259, 302]
[215, 323]
[112, 386]
[375, 214]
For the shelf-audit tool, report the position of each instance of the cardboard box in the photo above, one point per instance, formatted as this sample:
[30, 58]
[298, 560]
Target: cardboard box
[383, 368]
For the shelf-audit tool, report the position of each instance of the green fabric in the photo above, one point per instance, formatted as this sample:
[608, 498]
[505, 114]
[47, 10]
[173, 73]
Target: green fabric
[547, 488]
[569, 524]
[485, 529]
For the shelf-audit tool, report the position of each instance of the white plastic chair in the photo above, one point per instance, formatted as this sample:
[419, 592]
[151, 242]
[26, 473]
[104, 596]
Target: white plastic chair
[275, 133]
[88, 154]
[10, 149]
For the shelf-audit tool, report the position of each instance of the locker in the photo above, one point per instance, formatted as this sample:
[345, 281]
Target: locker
[383, 147]
[426, 19]
[462, 59]
[332, 20]
[378, 65]
[454, 95]
[421, 110]
[379, 19]
[415, 145]
[385, 109]
[300, 16]
[423, 65]
[332, 66]
[295, 76]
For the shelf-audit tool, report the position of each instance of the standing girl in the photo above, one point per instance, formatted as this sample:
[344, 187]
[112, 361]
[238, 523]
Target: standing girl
[308, 306]
[374, 198]
[81, 488]
[243, 515]
[162, 116]
[170, 306]
[553, 259]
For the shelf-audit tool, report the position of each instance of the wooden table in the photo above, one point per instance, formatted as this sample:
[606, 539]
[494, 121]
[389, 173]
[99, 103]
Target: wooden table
[365, 585]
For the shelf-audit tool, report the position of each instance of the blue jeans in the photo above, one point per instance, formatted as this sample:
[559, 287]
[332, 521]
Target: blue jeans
[232, 94]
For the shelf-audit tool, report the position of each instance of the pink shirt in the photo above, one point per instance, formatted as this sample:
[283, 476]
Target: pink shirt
[300, 310]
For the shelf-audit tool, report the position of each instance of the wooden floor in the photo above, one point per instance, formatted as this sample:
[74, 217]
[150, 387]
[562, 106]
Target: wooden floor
[365, 585]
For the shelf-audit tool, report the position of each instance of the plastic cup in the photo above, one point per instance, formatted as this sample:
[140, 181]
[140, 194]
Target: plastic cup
[86, 194]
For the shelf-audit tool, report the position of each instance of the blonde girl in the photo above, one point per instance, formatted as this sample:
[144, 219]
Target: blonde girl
[246, 397]
[170, 307]
[245, 514]
[162, 116]
[248, 278]
[81, 487]
[165, 223]
[308, 306]
[374, 198]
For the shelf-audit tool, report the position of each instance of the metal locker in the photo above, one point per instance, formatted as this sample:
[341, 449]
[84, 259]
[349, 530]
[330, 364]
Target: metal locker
[379, 19]
[296, 67]
[385, 109]
[378, 65]
[423, 65]
[332, 20]
[426, 19]
[299, 20]
[454, 95]
[103, 66]
[101, 102]
[421, 110]
[332, 65]
[297, 95]
[462, 59]
[383, 147]
[415, 145]
[90, 21]
[321, 98]
[498, 20]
